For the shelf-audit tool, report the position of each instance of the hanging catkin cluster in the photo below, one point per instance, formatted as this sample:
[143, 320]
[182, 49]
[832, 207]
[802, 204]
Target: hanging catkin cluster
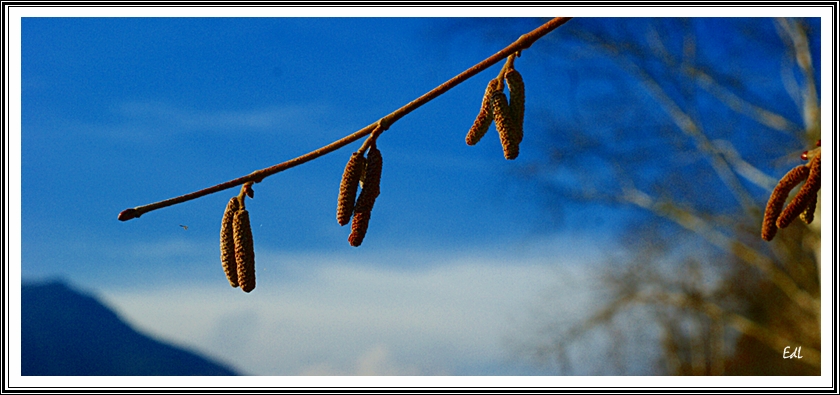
[237, 243]
[364, 172]
[803, 204]
[508, 116]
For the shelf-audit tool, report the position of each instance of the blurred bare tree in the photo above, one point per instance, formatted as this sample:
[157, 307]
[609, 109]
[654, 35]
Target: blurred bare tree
[691, 122]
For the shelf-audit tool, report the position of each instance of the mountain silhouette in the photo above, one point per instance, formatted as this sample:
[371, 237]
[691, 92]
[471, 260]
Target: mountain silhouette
[67, 333]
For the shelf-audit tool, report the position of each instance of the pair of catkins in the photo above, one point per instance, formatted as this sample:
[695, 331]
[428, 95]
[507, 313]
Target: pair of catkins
[508, 117]
[237, 243]
[364, 172]
[803, 204]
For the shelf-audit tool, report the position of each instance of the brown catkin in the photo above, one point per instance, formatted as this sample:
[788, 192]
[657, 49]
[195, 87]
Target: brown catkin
[803, 198]
[517, 103]
[370, 190]
[244, 241]
[485, 115]
[777, 200]
[227, 244]
[349, 185]
[501, 114]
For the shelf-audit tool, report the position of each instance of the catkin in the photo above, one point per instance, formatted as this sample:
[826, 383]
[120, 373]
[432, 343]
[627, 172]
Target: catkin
[349, 184]
[227, 244]
[517, 103]
[803, 198]
[370, 191]
[501, 115]
[777, 200]
[485, 115]
[244, 242]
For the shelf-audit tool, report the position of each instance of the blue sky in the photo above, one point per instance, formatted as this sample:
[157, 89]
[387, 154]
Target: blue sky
[197, 102]
[122, 112]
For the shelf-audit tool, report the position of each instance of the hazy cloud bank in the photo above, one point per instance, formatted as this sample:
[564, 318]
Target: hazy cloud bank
[339, 317]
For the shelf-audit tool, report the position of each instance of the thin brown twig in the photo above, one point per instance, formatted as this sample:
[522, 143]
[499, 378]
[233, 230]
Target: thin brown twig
[520, 44]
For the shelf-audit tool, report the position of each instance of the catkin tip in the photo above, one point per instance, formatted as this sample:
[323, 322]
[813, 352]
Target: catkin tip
[360, 226]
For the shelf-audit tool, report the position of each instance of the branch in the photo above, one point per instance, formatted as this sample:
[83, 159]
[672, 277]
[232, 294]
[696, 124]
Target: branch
[718, 89]
[797, 39]
[384, 123]
[742, 167]
[759, 114]
[684, 121]
[691, 128]
[741, 250]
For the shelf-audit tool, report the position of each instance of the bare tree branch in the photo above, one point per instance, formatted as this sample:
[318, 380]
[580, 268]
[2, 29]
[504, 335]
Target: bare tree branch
[717, 89]
[683, 121]
[744, 252]
[797, 40]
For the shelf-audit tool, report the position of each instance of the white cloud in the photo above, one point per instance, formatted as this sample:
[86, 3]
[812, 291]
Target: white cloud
[377, 361]
[146, 122]
[343, 315]
[268, 118]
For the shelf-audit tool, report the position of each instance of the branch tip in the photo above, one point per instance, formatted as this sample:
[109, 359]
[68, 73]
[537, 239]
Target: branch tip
[128, 214]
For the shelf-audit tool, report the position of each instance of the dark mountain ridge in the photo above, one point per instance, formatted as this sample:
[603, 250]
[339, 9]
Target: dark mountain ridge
[67, 333]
